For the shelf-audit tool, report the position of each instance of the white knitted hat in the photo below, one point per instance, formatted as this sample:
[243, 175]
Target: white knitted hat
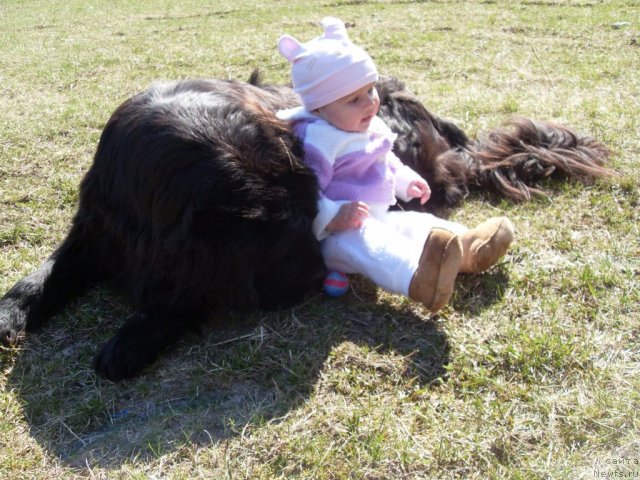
[328, 67]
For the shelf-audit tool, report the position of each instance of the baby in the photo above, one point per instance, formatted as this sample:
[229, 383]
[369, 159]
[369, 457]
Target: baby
[350, 150]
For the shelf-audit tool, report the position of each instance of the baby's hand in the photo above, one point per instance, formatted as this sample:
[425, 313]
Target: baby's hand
[419, 189]
[350, 215]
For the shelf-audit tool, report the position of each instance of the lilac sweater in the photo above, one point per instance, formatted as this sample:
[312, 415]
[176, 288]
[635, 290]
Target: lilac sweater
[350, 166]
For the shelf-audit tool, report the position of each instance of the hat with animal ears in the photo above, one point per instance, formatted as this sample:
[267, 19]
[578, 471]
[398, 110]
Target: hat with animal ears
[328, 67]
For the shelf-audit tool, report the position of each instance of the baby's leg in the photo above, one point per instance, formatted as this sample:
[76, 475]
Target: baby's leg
[376, 251]
[416, 226]
[423, 270]
[482, 246]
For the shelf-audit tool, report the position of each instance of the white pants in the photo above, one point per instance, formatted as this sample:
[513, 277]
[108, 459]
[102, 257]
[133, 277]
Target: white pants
[386, 249]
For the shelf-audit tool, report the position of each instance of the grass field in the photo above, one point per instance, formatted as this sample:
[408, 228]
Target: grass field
[532, 372]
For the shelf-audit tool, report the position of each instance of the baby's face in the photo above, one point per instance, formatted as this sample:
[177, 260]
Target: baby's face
[353, 112]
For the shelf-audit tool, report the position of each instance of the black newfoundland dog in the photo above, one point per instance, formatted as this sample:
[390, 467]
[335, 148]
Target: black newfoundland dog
[198, 201]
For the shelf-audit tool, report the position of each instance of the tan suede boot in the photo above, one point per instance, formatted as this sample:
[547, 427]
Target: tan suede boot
[433, 280]
[484, 245]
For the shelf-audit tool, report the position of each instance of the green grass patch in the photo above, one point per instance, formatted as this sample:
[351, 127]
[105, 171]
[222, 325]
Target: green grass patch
[530, 373]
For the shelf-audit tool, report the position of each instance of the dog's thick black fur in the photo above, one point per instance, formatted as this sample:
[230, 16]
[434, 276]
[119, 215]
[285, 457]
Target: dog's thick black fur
[197, 201]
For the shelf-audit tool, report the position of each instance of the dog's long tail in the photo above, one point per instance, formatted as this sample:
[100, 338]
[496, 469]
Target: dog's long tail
[513, 161]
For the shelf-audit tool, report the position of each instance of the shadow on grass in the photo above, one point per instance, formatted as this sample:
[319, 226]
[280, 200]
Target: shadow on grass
[475, 293]
[241, 373]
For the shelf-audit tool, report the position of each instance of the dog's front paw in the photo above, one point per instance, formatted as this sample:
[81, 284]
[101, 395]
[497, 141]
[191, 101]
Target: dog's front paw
[13, 320]
[120, 359]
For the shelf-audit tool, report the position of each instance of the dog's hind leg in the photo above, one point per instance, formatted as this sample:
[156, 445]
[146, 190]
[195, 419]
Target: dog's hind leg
[143, 337]
[43, 293]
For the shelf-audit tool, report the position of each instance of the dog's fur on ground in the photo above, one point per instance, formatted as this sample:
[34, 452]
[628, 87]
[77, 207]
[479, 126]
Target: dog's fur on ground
[198, 201]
